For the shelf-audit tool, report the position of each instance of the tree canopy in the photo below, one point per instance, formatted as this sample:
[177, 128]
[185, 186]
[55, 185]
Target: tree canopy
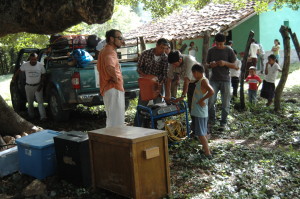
[162, 8]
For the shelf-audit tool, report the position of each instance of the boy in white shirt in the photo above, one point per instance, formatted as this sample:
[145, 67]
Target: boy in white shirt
[271, 72]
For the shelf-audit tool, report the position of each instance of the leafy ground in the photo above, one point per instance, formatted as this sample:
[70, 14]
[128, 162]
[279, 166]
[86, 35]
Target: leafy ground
[258, 156]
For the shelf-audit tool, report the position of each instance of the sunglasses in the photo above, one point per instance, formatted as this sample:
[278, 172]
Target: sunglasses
[120, 38]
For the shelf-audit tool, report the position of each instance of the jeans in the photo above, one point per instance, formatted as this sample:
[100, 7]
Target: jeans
[224, 88]
[260, 63]
[31, 92]
[252, 96]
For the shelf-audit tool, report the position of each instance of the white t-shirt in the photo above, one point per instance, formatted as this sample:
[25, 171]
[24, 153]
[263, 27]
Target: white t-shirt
[192, 52]
[185, 69]
[33, 73]
[156, 58]
[272, 73]
[236, 73]
[253, 50]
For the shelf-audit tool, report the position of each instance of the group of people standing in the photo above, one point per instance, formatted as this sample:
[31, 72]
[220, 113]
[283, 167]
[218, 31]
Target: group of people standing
[167, 66]
[269, 70]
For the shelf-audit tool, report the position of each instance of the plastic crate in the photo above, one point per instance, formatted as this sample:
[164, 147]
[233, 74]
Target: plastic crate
[9, 162]
[37, 154]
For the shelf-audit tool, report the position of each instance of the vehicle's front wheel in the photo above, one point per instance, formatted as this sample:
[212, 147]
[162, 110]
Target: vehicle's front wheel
[18, 101]
[57, 113]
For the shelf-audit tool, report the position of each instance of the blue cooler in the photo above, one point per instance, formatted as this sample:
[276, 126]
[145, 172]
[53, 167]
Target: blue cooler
[9, 162]
[37, 155]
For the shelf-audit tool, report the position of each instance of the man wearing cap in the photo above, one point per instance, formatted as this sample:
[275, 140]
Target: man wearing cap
[154, 62]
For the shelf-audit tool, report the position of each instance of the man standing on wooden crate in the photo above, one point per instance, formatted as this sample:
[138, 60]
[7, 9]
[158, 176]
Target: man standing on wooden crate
[220, 59]
[34, 72]
[111, 79]
[153, 62]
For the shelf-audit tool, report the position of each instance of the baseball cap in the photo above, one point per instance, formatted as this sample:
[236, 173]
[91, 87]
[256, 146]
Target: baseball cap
[252, 68]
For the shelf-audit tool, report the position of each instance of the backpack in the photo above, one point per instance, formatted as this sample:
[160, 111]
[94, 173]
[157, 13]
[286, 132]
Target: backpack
[82, 57]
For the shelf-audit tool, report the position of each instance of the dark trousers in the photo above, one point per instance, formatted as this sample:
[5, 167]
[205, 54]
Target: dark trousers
[235, 84]
[190, 94]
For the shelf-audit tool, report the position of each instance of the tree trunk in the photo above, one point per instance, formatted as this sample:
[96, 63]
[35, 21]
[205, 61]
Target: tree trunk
[11, 123]
[205, 48]
[296, 42]
[285, 69]
[243, 70]
[143, 45]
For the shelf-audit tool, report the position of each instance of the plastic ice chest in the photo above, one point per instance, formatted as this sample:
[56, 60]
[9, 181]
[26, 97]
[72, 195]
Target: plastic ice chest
[9, 162]
[37, 154]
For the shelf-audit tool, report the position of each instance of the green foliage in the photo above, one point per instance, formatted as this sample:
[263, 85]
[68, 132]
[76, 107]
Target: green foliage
[24, 40]
[118, 21]
[162, 8]
[11, 44]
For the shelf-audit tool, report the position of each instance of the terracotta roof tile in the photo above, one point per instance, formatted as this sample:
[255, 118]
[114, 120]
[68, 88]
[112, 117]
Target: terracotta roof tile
[190, 23]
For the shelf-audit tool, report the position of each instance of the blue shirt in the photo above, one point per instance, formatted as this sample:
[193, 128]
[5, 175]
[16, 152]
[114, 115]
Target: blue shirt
[197, 110]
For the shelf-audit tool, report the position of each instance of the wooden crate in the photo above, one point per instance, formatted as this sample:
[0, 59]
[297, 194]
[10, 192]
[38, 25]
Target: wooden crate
[130, 161]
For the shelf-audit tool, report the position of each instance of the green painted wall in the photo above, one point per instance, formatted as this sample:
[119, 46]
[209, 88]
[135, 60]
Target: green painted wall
[240, 33]
[150, 45]
[198, 42]
[270, 23]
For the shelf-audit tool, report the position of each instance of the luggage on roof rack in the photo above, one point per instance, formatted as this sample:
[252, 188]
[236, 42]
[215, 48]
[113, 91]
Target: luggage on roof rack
[62, 42]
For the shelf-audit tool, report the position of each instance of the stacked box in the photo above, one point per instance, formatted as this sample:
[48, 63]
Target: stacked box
[73, 157]
[37, 154]
[9, 162]
[130, 161]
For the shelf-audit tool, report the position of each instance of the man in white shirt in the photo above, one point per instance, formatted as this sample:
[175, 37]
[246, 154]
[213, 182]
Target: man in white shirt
[181, 66]
[34, 72]
[253, 51]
